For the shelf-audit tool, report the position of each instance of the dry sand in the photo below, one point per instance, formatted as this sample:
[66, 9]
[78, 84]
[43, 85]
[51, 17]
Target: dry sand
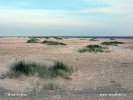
[94, 73]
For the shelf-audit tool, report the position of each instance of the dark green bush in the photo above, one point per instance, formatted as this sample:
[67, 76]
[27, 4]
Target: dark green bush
[58, 38]
[33, 40]
[46, 37]
[92, 48]
[114, 43]
[25, 67]
[60, 69]
[52, 43]
[21, 67]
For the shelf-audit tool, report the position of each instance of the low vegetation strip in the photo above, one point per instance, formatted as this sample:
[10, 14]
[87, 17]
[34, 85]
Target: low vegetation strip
[46, 37]
[38, 87]
[93, 48]
[27, 68]
[52, 43]
[33, 40]
[58, 38]
[114, 43]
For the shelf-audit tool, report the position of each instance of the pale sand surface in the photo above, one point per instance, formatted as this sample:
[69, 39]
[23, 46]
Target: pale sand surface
[92, 71]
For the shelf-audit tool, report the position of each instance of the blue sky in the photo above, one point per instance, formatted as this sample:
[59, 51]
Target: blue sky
[66, 17]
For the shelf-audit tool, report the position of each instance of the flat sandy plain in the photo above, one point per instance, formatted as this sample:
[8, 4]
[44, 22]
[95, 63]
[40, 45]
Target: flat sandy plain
[94, 73]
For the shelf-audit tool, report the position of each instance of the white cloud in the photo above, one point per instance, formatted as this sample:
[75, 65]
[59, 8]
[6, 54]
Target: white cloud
[44, 17]
[116, 7]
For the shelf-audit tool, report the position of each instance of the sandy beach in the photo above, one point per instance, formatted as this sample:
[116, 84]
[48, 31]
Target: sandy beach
[94, 73]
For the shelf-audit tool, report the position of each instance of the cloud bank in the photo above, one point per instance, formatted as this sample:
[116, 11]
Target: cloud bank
[61, 17]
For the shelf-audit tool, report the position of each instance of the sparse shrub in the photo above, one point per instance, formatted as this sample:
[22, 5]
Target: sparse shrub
[22, 67]
[114, 43]
[27, 68]
[58, 38]
[36, 88]
[43, 72]
[52, 43]
[60, 69]
[51, 86]
[92, 48]
[33, 40]
[46, 85]
[46, 37]
[10, 75]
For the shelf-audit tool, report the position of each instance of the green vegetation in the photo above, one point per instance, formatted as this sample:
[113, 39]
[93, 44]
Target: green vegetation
[51, 86]
[22, 67]
[114, 43]
[60, 69]
[93, 48]
[58, 38]
[52, 43]
[46, 37]
[38, 87]
[33, 40]
[27, 68]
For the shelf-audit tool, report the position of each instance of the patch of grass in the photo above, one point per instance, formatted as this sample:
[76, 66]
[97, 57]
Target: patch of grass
[21, 67]
[58, 38]
[38, 87]
[46, 37]
[60, 69]
[11, 74]
[51, 86]
[93, 48]
[33, 40]
[52, 43]
[114, 43]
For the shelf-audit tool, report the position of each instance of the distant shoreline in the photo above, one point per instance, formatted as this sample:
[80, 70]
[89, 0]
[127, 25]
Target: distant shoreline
[127, 37]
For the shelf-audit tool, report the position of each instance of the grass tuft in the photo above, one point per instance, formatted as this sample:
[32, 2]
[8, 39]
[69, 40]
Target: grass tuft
[93, 48]
[58, 38]
[52, 43]
[114, 43]
[51, 86]
[33, 40]
[38, 87]
[60, 69]
[46, 37]
[27, 68]
[23, 67]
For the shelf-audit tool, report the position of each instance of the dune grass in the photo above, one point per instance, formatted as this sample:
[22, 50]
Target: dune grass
[46, 37]
[58, 38]
[38, 87]
[93, 48]
[60, 69]
[33, 40]
[51, 86]
[114, 43]
[52, 42]
[28, 68]
[22, 67]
